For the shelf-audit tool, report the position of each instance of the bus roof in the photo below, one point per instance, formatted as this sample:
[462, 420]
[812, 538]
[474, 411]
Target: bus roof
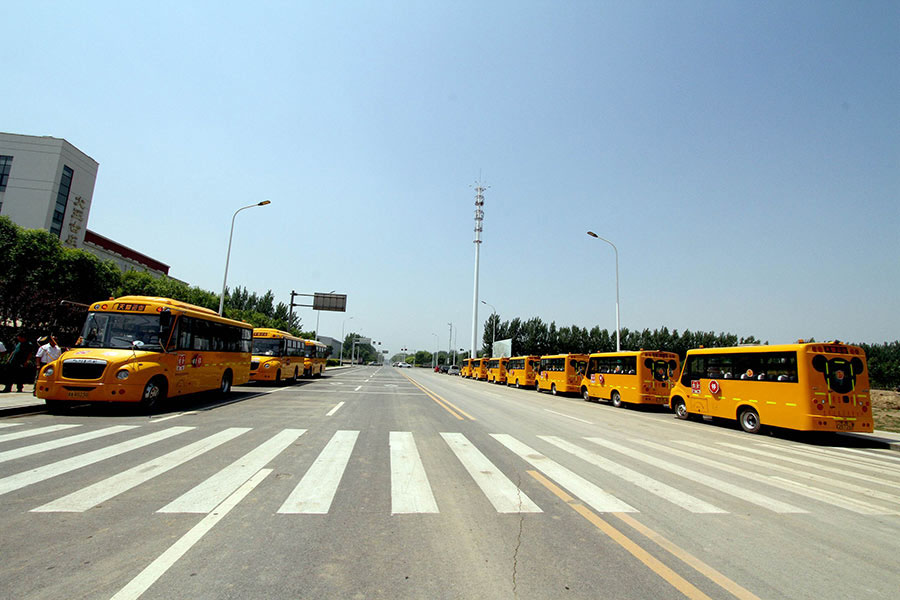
[147, 304]
[272, 333]
[659, 353]
[823, 348]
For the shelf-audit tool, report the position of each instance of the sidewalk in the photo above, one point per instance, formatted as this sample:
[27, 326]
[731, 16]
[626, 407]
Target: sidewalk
[887, 439]
[14, 402]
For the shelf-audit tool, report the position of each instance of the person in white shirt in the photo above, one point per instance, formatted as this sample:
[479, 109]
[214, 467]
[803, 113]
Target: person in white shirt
[47, 353]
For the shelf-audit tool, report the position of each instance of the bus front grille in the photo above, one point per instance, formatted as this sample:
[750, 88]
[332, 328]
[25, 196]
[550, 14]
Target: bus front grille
[83, 368]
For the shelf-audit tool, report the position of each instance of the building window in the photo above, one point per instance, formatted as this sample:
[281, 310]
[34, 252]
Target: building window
[62, 199]
[5, 166]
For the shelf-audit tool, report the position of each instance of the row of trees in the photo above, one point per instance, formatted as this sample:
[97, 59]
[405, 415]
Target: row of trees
[46, 287]
[365, 353]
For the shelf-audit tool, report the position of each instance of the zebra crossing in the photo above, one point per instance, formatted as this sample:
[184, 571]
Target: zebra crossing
[610, 475]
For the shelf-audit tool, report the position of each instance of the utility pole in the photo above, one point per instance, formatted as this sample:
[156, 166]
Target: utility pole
[450, 344]
[291, 313]
[479, 218]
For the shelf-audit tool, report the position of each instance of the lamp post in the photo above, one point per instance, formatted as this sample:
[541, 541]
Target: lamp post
[342, 339]
[228, 254]
[594, 235]
[493, 326]
[437, 342]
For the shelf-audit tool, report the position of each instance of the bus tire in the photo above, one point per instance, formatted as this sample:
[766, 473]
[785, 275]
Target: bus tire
[294, 378]
[680, 409]
[517, 384]
[537, 387]
[553, 389]
[278, 377]
[616, 399]
[749, 420]
[154, 393]
[225, 384]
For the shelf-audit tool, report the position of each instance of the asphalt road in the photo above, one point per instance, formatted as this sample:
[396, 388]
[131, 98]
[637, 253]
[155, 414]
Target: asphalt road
[388, 483]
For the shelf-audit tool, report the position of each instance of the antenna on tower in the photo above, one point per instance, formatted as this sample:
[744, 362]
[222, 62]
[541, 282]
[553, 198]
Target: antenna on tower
[479, 219]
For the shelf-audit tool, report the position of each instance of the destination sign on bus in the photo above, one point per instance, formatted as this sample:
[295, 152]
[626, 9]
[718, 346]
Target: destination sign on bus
[127, 307]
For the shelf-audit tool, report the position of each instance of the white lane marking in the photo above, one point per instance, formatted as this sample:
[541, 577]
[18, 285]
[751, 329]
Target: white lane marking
[839, 458]
[568, 416]
[158, 567]
[18, 435]
[62, 442]
[89, 497]
[359, 387]
[817, 466]
[334, 410]
[802, 489]
[315, 492]
[589, 493]
[20, 480]
[410, 490]
[716, 484]
[666, 492]
[175, 416]
[502, 493]
[4, 425]
[209, 494]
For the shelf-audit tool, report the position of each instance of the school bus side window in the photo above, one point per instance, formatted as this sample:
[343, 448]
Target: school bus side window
[184, 333]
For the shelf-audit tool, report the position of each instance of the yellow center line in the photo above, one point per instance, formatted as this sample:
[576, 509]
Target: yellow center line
[440, 401]
[654, 564]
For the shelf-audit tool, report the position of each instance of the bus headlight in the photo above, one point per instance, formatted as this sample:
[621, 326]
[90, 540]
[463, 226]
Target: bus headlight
[48, 371]
[122, 374]
[266, 366]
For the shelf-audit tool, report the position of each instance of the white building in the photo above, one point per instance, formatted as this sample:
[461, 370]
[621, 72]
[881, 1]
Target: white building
[47, 183]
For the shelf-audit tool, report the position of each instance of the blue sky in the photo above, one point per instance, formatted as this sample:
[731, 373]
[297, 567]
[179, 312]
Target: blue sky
[744, 157]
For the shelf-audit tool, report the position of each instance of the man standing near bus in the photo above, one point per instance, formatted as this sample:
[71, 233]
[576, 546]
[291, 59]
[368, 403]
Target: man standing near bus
[17, 362]
[46, 354]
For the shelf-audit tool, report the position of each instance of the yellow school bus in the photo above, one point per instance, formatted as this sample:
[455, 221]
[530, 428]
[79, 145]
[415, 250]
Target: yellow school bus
[315, 355]
[466, 370]
[561, 373]
[496, 370]
[635, 377]
[144, 350]
[479, 369]
[522, 370]
[277, 356]
[803, 386]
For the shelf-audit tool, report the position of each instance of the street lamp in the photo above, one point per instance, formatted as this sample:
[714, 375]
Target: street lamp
[228, 254]
[594, 235]
[493, 326]
[437, 342]
[342, 339]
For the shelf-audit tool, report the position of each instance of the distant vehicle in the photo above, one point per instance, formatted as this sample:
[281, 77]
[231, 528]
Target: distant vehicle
[496, 370]
[562, 373]
[444, 368]
[803, 386]
[522, 370]
[404, 365]
[314, 358]
[453, 370]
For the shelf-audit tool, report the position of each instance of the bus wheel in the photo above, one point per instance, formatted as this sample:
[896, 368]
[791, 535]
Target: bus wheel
[553, 389]
[680, 409]
[585, 394]
[517, 384]
[294, 378]
[278, 377]
[154, 393]
[616, 400]
[749, 420]
[225, 385]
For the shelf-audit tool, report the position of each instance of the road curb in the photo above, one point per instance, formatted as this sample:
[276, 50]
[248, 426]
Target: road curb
[884, 443]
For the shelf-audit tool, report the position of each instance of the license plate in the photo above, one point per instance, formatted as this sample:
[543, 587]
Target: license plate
[78, 394]
[843, 425]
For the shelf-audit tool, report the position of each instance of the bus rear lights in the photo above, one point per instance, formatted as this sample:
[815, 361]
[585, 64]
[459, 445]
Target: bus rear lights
[819, 406]
[865, 408]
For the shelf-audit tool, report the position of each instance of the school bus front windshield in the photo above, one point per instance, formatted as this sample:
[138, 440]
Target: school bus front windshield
[266, 347]
[120, 331]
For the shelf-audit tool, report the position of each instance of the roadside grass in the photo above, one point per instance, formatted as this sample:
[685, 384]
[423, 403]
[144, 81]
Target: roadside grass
[886, 410]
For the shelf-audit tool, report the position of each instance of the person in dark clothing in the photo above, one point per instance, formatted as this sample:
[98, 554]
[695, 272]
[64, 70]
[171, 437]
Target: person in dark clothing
[17, 362]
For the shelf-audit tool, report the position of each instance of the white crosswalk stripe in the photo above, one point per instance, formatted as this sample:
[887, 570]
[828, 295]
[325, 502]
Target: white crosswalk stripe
[20, 480]
[5, 425]
[666, 492]
[717, 484]
[102, 491]
[410, 490]
[18, 435]
[839, 458]
[212, 492]
[580, 487]
[817, 466]
[62, 442]
[315, 492]
[500, 491]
